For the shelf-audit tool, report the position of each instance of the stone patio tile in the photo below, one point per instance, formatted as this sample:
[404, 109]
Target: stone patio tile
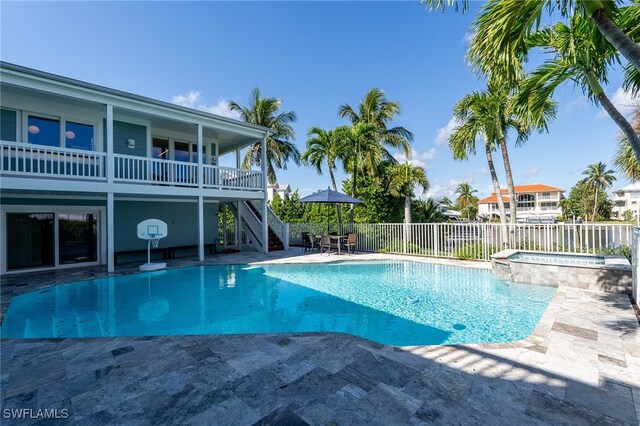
[164, 408]
[551, 410]
[251, 362]
[388, 405]
[258, 390]
[316, 385]
[372, 369]
[230, 412]
[585, 333]
[621, 408]
[441, 411]
[281, 416]
[612, 361]
[337, 410]
[290, 371]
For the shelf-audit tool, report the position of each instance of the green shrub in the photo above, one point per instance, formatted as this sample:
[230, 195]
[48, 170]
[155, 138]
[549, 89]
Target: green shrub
[473, 251]
[621, 250]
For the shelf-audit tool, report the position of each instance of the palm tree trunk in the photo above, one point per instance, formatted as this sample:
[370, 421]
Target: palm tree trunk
[335, 188]
[595, 206]
[496, 189]
[510, 186]
[407, 219]
[353, 189]
[620, 120]
[407, 208]
[621, 41]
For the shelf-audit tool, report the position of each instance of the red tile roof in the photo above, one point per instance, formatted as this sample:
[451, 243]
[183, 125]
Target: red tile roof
[528, 188]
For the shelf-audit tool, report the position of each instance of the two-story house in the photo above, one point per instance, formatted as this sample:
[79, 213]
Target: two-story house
[535, 202]
[627, 198]
[82, 165]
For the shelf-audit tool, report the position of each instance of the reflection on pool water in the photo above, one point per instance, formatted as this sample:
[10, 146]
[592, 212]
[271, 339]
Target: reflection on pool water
[399, 303]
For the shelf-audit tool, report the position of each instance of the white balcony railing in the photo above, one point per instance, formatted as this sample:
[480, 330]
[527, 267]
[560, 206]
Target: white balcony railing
[47, 161]
[132, 169]
[230, 178]
[31, 160]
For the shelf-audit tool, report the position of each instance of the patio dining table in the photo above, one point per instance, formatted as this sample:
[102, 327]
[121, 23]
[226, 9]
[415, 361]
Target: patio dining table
[337, 238]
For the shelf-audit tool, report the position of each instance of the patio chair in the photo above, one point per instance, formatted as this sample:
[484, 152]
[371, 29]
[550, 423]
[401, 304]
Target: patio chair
[350, 243]
[327, 242]
[312, 242]
[307, 243]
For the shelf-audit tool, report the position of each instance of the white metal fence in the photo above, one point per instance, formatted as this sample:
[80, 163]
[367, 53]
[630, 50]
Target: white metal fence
[475, 240]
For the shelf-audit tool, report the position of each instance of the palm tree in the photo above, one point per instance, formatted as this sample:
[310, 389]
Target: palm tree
[467, 202]
[446, 202]
[598, 178]
[324, 147]
[264, 111]
[376, 110]
[578, 56]
[429, 211]
[360, 151]
[500, 30]
[509, 115]
[403, 180]
[624, 160]
[478, 120]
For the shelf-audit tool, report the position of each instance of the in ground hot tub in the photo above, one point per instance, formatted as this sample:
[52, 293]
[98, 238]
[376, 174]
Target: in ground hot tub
[587, 271]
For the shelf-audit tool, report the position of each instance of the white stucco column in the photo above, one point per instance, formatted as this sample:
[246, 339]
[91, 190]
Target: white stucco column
[110, 234]
[238, 227]
[265, 200]
[200, 168]
[200, 228]
[110, 163]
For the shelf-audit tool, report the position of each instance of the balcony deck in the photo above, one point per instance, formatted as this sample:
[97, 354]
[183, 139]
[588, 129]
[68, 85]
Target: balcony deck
[72, 168]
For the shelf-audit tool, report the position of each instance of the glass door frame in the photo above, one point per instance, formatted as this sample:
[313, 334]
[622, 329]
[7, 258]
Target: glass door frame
[101, 235]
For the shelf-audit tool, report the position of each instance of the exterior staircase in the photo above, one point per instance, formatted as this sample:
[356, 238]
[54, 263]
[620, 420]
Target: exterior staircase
[251, 222]
[275, 243]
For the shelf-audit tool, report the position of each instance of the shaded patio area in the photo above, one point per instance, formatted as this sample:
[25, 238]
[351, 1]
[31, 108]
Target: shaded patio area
[580, 366]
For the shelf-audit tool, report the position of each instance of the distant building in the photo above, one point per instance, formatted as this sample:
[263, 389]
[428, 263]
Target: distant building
[535, 202]
[627, 198]
[281, 190]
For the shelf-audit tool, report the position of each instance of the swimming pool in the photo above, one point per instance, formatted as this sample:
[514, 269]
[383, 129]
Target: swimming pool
[399, 303]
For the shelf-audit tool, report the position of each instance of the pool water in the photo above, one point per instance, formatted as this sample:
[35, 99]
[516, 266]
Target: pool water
[398, 303]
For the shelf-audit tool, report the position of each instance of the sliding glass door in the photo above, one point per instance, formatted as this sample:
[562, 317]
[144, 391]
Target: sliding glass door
[30, 240]
[49, 239]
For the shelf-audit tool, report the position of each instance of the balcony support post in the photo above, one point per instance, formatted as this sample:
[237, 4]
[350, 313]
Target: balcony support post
[238, 227]
[110, 234]
[200, 168]
[265, 200]
[200, 228]
[110, 163]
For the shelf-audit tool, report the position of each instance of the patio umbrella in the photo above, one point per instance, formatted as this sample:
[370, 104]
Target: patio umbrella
[329, 196]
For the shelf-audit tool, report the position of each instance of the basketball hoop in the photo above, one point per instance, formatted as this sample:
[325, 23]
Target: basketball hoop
[152, 230]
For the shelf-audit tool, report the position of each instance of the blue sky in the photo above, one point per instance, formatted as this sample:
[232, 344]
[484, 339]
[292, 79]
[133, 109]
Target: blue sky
[312, 55]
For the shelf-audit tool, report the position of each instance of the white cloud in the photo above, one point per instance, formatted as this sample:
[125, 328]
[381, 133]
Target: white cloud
[194, 99]
[529, 173]
[445, 132]
[624, 101]
[468, 36]
[439, 189]
[417, 158]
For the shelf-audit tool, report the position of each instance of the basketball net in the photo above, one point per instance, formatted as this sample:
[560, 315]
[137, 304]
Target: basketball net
[155, 242]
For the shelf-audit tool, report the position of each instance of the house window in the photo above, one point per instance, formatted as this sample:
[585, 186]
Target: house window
[46, 131]
[526, 201]
[43, 131]
[78, 136]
